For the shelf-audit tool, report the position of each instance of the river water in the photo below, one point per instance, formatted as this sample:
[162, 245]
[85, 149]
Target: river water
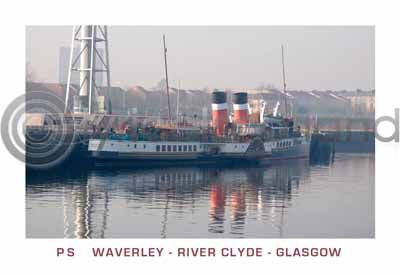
[291, 199]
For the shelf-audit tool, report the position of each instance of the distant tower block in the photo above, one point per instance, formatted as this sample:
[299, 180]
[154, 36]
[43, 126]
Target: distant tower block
[88, 38]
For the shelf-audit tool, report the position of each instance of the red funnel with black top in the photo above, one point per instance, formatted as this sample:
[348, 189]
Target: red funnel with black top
[240, 108]
[219, 112]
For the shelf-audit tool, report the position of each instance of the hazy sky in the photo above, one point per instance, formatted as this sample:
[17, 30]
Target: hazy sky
[223, 57]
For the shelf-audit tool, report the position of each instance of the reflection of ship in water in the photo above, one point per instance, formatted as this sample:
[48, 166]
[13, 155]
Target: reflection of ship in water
[236, 195]
[216, 213]
[229, 197]
[84, 205]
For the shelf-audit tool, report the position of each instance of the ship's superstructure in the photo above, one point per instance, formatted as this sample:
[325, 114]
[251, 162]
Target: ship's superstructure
[239, 140]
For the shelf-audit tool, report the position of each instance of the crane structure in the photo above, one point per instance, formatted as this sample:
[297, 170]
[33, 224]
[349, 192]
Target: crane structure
[88, 61]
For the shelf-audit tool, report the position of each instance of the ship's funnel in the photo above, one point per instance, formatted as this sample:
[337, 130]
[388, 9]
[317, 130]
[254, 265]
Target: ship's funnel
[240, 108]
[219, 112]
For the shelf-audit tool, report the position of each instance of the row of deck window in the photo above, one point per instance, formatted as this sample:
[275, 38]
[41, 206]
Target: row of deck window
[176, 148]
[134, 145]
[284, 144]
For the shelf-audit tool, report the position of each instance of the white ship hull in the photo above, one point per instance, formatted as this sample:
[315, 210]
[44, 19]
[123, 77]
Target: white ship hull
[117, 151]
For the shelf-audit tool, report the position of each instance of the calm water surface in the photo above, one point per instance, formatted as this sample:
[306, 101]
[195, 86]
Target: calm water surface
[290, 199]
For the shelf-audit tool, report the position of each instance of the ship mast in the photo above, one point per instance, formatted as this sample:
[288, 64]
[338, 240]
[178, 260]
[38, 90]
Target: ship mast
[166, 79]
[177, 101]
[177, 108]
[284, 80]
